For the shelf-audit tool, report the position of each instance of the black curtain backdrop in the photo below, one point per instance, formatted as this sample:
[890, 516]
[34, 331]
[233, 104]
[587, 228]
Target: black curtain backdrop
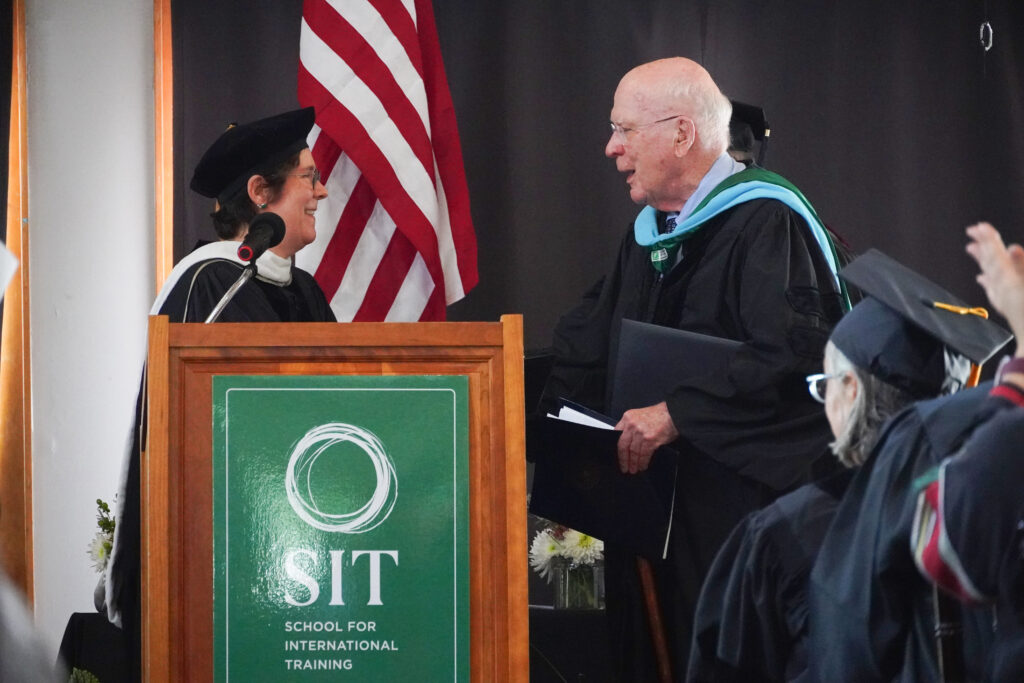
[889, 116]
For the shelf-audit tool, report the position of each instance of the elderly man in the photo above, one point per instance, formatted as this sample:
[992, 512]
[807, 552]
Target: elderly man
[721, 250]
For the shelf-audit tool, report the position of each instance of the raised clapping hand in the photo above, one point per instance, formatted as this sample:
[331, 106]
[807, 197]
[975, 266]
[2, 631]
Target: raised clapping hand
[1002, 275]
[643, 431]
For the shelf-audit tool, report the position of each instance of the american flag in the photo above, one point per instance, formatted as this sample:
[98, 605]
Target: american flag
[395, 239]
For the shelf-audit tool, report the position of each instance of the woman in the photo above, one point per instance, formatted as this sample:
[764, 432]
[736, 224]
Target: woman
[264, 166]
[888, 351]
[259, 167]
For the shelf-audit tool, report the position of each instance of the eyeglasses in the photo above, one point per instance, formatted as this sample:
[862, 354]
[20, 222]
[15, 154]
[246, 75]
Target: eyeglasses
[314, 176]
[817, 384]
[622, 131]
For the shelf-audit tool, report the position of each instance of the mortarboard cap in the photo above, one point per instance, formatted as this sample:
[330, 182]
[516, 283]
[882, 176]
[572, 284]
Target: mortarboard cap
[898, 334]
[751, 117]
[250, 149]
[746, 127]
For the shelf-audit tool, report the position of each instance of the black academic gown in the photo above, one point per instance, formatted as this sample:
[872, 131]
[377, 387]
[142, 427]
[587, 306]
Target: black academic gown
[983, 522]
[755, 274]
[191, 298]
[202, 285]
[751, 621]
[871, 615]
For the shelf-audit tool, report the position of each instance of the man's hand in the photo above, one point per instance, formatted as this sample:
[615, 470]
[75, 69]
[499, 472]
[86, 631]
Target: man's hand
[1002, 273]
[643, 431]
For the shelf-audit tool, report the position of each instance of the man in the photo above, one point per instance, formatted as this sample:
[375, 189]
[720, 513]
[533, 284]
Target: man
[748, 134]
[969, 529]
[721, 250]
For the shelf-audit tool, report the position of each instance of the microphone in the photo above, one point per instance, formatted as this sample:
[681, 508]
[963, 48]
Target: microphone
[266, 231]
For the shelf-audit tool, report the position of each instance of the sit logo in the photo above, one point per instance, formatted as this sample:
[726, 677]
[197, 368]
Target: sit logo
[298, 486]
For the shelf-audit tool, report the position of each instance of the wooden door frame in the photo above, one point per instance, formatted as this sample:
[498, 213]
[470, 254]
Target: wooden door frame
[16, 523]
[163, 158]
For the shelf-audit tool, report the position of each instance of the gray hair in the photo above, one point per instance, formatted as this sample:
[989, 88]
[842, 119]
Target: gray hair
[875, 403]
[711, 111]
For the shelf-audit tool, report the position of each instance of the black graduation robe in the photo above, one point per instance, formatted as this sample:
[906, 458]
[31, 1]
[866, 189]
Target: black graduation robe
[751, 621]
[192, 292]
[980, 519]
[202, 285]
[755, 274]
[871, 613]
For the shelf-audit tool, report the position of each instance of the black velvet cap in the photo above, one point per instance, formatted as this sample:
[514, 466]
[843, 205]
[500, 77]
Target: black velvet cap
[898, 334]
[250, 149]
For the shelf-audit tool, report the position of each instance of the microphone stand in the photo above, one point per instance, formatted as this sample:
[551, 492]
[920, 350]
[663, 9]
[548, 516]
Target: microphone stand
[247, 274]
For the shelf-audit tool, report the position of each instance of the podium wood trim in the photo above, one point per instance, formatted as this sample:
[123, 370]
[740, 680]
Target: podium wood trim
[177, 538]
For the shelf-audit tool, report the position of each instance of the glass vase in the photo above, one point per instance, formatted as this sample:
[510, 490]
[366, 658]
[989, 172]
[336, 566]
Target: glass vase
[579, 586]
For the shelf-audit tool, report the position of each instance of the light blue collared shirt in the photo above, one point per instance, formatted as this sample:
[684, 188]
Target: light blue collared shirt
[723, 167]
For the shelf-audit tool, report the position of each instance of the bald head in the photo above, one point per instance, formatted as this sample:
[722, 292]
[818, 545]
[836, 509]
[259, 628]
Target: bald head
[669, 125]
[682, 86]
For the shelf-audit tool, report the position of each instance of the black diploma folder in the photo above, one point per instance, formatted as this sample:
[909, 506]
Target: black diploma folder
[577, 481]
[653, 359]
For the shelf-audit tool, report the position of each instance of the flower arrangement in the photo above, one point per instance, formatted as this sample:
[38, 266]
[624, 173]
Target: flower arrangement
[103, 542]
[555, 542]
[574, 561]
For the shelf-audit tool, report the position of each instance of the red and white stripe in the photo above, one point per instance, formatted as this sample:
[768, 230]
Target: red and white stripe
[934, 554]
[395, 239]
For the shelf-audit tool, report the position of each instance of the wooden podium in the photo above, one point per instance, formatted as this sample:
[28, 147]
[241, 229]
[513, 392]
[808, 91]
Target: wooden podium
[176, 475]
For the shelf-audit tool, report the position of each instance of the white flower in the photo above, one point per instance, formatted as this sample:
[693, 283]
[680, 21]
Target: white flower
[99, 551]
[582, 549]
[544, 549]
[552, 544]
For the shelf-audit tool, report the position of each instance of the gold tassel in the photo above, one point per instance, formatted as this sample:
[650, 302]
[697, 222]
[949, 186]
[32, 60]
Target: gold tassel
[962, 310]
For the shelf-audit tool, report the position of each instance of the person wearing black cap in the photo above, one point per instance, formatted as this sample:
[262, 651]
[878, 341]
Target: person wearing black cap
[871, 617]
[251, 169]
[751, 622]
[748, 128]
[968, 535]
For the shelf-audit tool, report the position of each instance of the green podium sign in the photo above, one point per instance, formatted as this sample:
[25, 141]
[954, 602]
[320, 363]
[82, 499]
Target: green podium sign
[340, 540]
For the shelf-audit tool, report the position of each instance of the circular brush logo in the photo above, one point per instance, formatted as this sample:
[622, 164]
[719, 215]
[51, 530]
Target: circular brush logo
[301, 472]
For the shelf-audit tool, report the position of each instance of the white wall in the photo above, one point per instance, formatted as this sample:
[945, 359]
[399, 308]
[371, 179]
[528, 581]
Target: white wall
[90, 142]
